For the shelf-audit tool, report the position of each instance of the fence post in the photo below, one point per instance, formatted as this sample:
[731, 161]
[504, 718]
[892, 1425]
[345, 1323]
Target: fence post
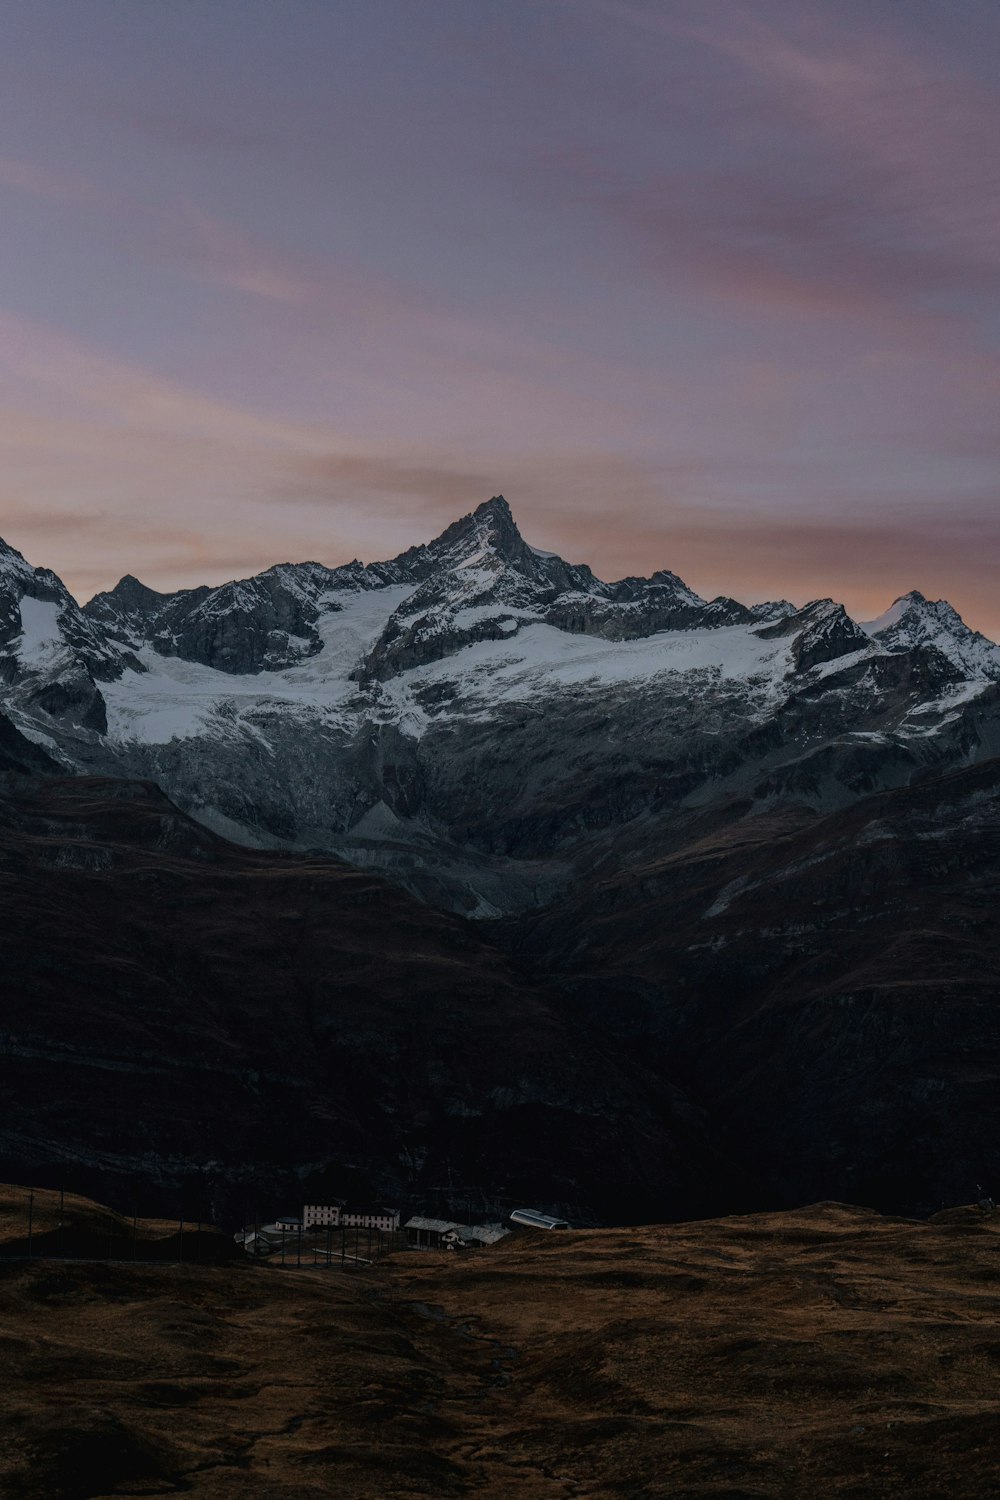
[62, 1200]
[31, 1217]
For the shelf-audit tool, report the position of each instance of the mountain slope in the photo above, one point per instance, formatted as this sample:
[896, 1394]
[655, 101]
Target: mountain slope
[828, 985]
[223, 1025]
[826, 1352]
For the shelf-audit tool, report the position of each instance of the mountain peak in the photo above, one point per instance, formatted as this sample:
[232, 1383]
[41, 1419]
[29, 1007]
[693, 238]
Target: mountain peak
[496, 506]
[914, 610]
[129, 587]
[913, 621]
[502, 533]
[13, 562]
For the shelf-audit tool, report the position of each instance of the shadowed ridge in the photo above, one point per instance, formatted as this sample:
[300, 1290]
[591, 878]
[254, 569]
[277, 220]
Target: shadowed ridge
[280, 1015]
[21, 757]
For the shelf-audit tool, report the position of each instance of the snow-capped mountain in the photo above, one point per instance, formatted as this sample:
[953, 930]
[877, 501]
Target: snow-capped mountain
[914, 621]
[479, 718]
[52, 655]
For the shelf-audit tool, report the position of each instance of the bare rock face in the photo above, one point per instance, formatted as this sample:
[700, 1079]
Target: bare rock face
[261, 624]
[19, 758]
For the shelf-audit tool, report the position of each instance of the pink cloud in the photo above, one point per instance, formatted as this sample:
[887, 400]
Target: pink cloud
[51, 185]
[864, 186]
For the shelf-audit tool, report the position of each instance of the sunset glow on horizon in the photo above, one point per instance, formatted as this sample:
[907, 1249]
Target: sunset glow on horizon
[705, 285]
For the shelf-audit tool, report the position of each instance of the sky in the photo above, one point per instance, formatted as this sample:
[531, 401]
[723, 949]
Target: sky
[706, 285]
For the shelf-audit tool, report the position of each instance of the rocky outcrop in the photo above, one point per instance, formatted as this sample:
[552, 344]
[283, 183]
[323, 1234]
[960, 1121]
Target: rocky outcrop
[259, 624]
[20, 757]
[52, 655]
[821, 632]
[42, 628]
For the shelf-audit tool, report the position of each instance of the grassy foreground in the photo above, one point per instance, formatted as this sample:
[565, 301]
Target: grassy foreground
[826, 1352]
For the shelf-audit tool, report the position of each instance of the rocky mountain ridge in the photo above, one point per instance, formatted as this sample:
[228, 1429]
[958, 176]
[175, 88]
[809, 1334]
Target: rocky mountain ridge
[477, 718]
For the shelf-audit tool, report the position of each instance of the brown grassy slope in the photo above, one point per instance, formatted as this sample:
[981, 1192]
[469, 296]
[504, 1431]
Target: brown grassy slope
[825, 1352]
[828, 1352]
[72, 1226]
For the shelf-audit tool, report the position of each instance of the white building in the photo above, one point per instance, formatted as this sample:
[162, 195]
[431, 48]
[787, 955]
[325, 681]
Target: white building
[336, 1216]
[385, 1219]
[319, 1215]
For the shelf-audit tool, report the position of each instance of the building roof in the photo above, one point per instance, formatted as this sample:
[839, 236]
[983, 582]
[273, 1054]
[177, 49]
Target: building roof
[433, 1226]
[487, 1234]
[536, 1220]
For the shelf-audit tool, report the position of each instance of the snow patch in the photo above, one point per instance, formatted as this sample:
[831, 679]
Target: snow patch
[177, 699]
[545, 657]
[892, 616]
[41, 639]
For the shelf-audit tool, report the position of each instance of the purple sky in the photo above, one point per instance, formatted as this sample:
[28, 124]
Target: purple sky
[709, 285]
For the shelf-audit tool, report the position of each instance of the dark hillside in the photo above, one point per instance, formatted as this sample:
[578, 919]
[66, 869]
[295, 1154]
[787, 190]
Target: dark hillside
[210, 1026]
[830, 985]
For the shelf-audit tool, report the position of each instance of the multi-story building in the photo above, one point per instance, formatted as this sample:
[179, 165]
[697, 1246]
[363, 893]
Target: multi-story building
[337, 1216]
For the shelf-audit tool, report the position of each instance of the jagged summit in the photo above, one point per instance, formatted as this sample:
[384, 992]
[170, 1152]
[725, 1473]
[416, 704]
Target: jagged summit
[481, 581]
[13, 561]
[488, 537]
[128, 597]
[497, 511]
[912, 621]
